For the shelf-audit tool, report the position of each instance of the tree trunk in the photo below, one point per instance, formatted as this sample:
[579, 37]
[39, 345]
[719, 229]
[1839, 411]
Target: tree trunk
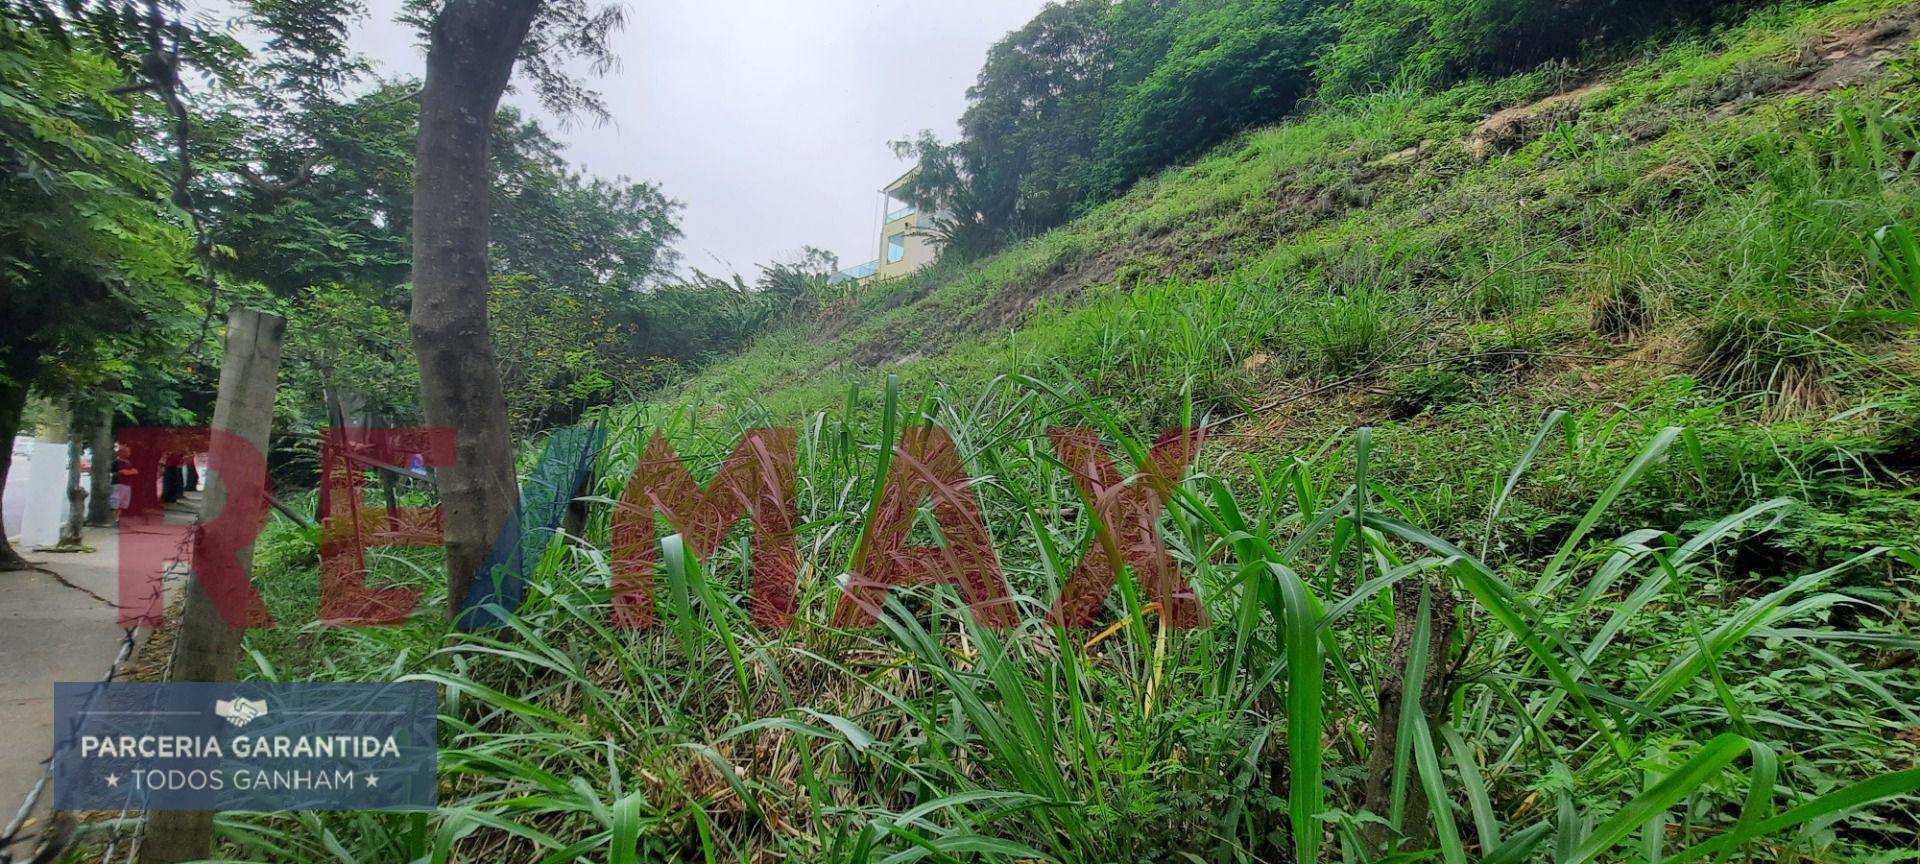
[13, 401]
[207, 647]
[1414, 829]
[470, 55]
[76, 495]
[100, 482]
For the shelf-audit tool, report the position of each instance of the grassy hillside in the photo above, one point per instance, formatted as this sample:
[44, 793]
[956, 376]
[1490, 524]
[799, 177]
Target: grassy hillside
[1586, 397]
[1689, 240]
[1650, 185]
[1692, 235]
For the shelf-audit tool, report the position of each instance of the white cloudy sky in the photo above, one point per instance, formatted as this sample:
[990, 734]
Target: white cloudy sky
[769, 119]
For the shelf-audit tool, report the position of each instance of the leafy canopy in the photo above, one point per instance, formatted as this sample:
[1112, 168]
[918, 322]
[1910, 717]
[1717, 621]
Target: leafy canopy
[89, 248]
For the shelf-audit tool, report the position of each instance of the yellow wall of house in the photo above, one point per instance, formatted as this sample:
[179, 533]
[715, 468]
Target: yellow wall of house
[920, 249]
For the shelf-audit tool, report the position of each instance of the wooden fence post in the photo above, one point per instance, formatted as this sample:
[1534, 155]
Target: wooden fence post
[207, 648]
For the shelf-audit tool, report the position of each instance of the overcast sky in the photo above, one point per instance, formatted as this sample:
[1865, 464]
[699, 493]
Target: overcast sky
[768, 119]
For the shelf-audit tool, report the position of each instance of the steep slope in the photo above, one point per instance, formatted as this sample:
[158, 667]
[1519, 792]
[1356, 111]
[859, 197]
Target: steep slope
[1691, 235]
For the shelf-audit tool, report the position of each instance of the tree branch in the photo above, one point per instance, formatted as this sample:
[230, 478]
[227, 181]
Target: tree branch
[301, 177]
[161, 66]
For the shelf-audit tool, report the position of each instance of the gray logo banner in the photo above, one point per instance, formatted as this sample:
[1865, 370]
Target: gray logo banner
[245, 746]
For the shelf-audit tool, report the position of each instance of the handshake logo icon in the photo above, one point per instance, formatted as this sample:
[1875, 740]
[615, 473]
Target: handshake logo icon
[239, 711]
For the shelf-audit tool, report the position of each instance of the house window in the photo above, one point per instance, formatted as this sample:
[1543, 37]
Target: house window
[896, 247]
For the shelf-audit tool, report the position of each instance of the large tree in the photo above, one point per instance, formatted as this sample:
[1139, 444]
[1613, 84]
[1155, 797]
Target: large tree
[1031, 122]
[1218, 68]
[1091, 95]
[324, 226]
[472, 46]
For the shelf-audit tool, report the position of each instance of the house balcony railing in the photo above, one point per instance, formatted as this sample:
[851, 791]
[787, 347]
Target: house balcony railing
[902, 213]
[856, 272]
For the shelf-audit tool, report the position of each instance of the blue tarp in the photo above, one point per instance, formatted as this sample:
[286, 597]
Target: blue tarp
[564, 465]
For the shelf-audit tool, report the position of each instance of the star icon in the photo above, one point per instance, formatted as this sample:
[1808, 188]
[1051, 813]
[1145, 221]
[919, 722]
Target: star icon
[373, 781]
[113, 781]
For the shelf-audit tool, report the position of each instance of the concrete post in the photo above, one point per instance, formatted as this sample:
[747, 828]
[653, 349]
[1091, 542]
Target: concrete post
[207, 647]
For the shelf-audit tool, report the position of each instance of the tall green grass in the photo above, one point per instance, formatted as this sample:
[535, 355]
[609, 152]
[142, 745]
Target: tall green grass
[1601, 704]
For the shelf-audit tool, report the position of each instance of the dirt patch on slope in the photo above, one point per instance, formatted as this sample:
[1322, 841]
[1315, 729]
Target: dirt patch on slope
[1851, 56]
[1062, 280]
[1201, 245]
[843, 317]
[881, 349]
[1299, 205]
[1837, 60]
[1505, 130]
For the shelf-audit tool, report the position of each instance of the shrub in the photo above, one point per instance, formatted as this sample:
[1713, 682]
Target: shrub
[1428, 43]
[1898, 256]
[1784, 362]
[1349, 331]
[1621, 310]
[1503, 289]
[1422, 390]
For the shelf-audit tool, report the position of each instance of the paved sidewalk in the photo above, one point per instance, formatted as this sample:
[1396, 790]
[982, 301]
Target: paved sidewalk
[55, 628]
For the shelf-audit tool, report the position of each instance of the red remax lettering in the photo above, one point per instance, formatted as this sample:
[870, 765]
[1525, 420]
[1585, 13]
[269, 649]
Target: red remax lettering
[1128, 522]
[148, 545]
[757, 480]
[925, 463]
[348, 527]
[758, 476]
[237, 520]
